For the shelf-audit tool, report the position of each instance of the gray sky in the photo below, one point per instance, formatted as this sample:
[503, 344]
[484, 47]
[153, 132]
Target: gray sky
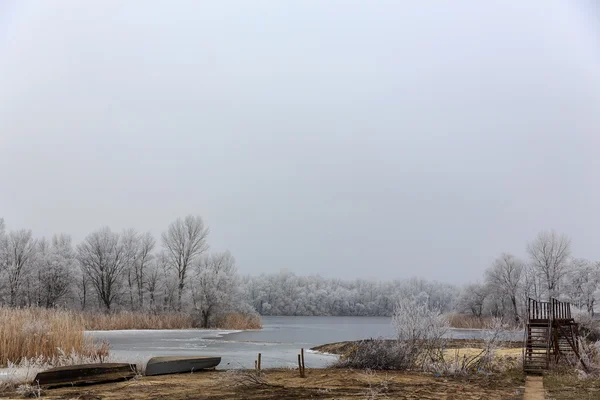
[346, 138]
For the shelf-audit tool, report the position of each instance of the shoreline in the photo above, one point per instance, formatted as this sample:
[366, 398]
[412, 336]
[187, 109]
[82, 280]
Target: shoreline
[341, 348]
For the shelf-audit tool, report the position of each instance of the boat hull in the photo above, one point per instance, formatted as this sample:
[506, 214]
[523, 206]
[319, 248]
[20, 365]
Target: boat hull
[85, 374]
[179, 365]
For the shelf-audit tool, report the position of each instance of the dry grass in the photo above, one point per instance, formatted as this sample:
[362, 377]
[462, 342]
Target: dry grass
[47, 334]
[240, 321]
[564, 384]
[325, 384]
[464, 321]
[42, 333]
[131, 320]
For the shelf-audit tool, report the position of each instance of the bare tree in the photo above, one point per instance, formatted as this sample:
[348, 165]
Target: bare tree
[184, 241]
[83, 283]
[152, 280]
[505, 276]
[214, 285]
[144, 257]
[550, 255]
[20, 251]
[58, 272]
[131, 243]
[473, 297]
[581, 284]
[103, 258]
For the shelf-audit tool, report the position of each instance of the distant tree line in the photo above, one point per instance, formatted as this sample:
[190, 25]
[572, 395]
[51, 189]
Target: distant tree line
[133, 271]
[287, 294]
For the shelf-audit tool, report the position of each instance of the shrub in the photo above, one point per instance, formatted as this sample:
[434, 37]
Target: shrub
[420, 331]
[376, 354]
[420, 338]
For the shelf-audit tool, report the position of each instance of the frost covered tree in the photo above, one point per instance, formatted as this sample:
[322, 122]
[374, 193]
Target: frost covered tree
[139, 254]
[184, 241]
[103, 258]
[54, 266]
[472, 298]
[504, 277]
[143, 260]
[214, 285]
[582, 283]
[550, 254]
[19, 253]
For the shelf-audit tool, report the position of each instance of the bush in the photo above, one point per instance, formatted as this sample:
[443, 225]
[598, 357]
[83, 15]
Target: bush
[419, 338]
[376, 354]
[420, 331]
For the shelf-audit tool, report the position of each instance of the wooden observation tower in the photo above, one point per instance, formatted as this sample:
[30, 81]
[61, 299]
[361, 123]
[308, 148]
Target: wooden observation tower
[551, 334]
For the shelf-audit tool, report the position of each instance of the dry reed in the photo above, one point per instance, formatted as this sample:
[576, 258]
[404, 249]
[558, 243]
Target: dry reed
[46, 335]
[239, 321]
[465, 321]
[42, 333]
[136, 320]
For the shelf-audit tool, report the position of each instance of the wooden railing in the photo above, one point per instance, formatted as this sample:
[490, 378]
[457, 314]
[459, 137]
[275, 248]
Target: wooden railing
[561, 310]
[538, 309]
[552, 309]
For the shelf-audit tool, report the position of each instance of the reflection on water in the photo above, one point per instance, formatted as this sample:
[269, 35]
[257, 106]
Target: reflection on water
[279, 341]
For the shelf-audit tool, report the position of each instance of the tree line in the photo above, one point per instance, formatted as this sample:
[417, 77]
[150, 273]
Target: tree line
[130, 270]
[549, 270]
[121, 271]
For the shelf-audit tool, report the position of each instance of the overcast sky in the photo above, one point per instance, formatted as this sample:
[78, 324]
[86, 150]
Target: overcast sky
[346, 138]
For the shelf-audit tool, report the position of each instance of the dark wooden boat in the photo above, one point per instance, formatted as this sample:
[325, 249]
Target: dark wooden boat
[85, 374]
[178, 365]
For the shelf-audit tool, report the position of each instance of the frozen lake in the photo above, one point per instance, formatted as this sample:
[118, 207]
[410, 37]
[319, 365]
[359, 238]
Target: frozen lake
[279, 341]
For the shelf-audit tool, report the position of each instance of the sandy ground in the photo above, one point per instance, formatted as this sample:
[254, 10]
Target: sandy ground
[286, 384]
[534, 388]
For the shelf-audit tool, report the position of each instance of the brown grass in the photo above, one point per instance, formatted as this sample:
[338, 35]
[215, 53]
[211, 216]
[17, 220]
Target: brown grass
[239, 321]
[47, 334]
[132, 320]
[40, 332]
[566, 385]
[325, 384]
[465, 321]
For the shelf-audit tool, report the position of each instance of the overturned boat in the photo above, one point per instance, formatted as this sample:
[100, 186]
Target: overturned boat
[179, 365]
[86, 374]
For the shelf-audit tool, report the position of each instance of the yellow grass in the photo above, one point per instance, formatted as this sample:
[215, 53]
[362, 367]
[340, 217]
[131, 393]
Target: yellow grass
[50, 333]
[240, 321]
[132, 320]
[473, 351]
[39, 332]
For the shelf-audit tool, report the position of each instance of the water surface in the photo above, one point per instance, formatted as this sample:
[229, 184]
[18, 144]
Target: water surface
[279, 341]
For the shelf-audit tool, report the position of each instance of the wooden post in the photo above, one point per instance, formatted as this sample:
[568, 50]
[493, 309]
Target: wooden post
[255, 365]
[303, 369]
[300, 365]
[259, 356]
